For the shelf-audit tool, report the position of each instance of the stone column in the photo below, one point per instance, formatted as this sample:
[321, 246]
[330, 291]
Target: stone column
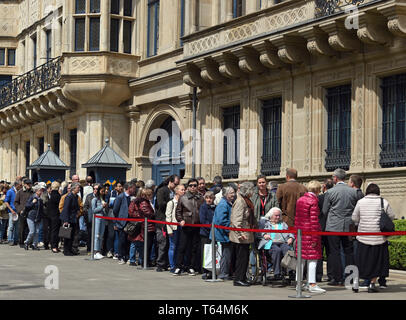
[357, 119]
[250, 6]
[56, 38]
[190, 16]
[134, 116]
[215, 12]
[105, 26]
[187, 106]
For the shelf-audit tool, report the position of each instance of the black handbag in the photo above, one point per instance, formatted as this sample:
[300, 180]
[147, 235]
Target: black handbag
[385, 223]
[133, 229]
[65, 232]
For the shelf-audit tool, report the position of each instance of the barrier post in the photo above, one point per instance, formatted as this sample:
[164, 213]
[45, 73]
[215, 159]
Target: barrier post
[145, 244]
[213, 257]
[92, 238]
[299, 268]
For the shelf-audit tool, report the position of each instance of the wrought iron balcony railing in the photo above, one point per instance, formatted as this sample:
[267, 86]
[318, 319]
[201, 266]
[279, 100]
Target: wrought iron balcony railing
[33, 82]
[230, 171]
[329, 7]
[338, 158]
[271, 165]
[393, 154]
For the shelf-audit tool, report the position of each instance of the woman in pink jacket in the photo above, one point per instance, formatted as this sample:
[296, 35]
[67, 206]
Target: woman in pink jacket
[307, 219]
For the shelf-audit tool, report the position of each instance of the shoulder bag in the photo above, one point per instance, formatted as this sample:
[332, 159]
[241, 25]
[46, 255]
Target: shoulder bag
[385, 223]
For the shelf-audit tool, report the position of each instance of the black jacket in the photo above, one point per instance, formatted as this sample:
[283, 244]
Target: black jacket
[163, 196]
[53, 204]
[70, 209]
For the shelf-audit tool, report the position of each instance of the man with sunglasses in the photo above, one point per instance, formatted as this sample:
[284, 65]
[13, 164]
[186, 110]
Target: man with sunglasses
[187, 212]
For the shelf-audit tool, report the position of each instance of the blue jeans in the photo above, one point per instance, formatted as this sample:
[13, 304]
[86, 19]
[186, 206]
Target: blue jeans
[34, 232]
[12, 229]
[98, 233]
[82, 224]
[40, 233]
[3, 225]
[173, 248]
[115, 242]
[137, 246]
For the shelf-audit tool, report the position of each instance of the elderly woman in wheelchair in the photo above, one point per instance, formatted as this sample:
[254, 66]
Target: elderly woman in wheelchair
[275, 245]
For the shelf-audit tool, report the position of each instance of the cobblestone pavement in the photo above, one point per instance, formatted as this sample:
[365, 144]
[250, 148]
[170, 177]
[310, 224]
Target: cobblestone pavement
[22, 276]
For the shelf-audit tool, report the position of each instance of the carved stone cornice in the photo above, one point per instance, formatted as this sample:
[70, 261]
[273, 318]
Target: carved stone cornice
[317, 42]
[53, 104]
[18, 116]
[23, 114]
[268, 55]
[191, 75]
[291, 49]
[210, 70]
[36, 109]
[133, 112]
[396, 15]
[44, 105]
[340, 38]
[228, 65]
[373, 29]
[248, 59]
[13, 123]
[29, 109]
[64, 102]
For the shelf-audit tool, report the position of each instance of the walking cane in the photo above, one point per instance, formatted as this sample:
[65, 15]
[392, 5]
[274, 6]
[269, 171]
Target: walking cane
[299, 294]
[213, 257]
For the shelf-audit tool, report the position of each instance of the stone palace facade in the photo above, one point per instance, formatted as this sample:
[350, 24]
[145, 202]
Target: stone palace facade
[309, 84]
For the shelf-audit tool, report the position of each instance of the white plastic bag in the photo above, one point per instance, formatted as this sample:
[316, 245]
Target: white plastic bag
[207, 256]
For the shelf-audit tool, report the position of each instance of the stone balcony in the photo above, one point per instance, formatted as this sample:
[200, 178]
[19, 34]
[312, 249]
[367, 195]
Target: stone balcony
[61, 85]
[286, 34]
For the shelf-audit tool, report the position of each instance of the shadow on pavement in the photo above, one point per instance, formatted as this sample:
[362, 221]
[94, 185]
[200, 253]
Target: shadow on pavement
[8, 288]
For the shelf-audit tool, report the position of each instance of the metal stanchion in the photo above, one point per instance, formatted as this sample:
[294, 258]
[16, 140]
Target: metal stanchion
[146, 245]
[299, 268]
[213, 257]
[92, 240]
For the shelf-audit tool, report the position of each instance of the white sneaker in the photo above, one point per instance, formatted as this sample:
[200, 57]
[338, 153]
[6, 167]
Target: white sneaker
[316, 289]
[121, 261]
[177, 272]
[98, 256]
[40, 244]
[191, 272]
[109, 255]
[128, 261]
[115, 257]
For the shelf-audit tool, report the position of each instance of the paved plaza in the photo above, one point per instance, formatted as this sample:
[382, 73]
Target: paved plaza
[22, 276]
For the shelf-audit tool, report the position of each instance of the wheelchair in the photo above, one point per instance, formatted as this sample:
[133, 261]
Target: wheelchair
[260, 268]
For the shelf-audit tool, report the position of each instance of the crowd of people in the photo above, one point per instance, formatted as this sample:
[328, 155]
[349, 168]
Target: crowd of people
[32, 216]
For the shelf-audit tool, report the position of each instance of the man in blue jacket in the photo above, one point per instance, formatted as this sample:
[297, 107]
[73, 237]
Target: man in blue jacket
[222, 217]
[12, 212]
[120, 210]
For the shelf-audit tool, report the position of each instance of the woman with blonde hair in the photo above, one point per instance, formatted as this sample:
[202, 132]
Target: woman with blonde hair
[307, 219]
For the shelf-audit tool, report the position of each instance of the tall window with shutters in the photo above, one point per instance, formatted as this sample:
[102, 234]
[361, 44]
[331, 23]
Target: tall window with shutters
[231, 126]
[393, 147]
[339, 128]
[272, 127]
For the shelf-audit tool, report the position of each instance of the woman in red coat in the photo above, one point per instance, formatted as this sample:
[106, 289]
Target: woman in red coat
[140, 208]
[307, 219]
